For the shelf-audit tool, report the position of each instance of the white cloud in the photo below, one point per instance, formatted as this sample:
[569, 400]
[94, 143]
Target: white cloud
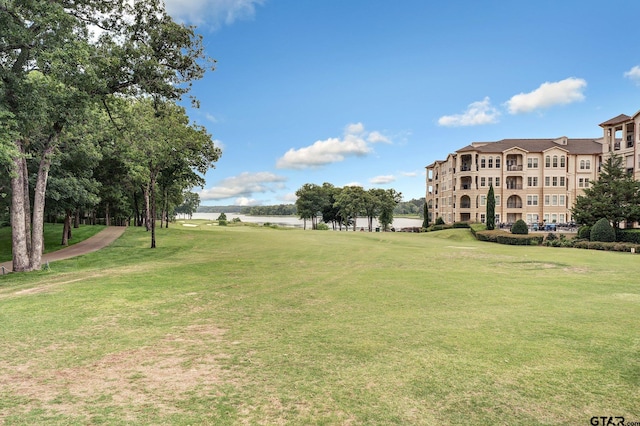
[355, 142]
[409, 174]
[354, 184]
[477, 113]
[288, 198]
[244, 202]
[212, 12]
[547, 95]
[243, 186]
[382, 180]
[210, 117]
[633, 74]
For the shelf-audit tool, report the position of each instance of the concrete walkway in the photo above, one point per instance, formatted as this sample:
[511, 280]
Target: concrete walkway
[95, 243]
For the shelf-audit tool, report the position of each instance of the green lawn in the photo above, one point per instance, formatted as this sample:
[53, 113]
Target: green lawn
[52, 237]
[253, 325]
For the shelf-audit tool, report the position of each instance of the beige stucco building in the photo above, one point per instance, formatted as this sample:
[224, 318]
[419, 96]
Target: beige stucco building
[536, 180]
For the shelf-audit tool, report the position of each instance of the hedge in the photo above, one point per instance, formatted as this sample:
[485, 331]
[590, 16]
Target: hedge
[628, 236]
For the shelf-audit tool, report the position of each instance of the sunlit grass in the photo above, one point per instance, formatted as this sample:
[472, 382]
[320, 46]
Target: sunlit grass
[253, 325]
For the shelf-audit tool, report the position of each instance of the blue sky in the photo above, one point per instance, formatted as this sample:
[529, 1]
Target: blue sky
[370, 92]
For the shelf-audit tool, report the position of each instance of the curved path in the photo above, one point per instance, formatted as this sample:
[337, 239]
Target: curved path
[91, 244]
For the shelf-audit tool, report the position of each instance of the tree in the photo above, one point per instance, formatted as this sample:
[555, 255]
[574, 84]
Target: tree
[311, 200]
[191, 201]
[168, 147]
[602, 231]
[615, 196]
[425, 220]
[52, 66]
[388, 199]
[491, 209]
[350, 203]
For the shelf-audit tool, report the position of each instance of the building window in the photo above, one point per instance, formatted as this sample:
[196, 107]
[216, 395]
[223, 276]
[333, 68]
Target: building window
[532, 181]
[497, 181]
[562, 181]
[555, 181]
[580, 183]
[490, 181]
[562, 218]
[547, 161]
[532, 200]
[554, 218]
[482, 218]
[532, 163]
[547, 200]
[547, 181]
[483, 162]
[497, 163]
[491, 162]
[483, 200]
[562, 161]
[582, 164]
[555, 161]
[497, 218]
[562, 202]
[483, 181]
[546, 217]
[497, 198]
[554, 200]
[588, 165]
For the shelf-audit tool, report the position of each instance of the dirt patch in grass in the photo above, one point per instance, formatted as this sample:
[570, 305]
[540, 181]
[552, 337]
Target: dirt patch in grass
[158, 377]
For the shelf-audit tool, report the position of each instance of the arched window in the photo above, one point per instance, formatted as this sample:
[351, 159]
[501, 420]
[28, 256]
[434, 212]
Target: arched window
[547, 161]
[582, 164]
[490, 162]
[555, 161]
[497, 162]
[562, 161]
[588, 165]
[483, 162]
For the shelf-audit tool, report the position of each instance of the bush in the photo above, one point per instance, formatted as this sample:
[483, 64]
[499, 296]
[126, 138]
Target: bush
[584, 232]
[236, 220]
[461, 225]
[322, 227]
[520, 227]
[603, 231]
[519, 239]
[439, 221]
[222, 222]
[628, 236]
[552, 236]
[222, 217]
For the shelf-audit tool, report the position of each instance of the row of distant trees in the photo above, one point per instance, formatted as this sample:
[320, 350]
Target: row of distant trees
[615, 196]
[341, 207]
[88, 114]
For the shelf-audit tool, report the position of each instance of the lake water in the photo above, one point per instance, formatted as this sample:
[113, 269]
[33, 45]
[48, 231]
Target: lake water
[293, 221]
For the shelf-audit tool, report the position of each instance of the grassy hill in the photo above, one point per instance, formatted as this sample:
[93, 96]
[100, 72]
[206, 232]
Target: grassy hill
[254, 325]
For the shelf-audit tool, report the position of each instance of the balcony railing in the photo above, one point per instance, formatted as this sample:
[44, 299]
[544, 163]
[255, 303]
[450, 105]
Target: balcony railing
[465, 168]
[514, 205]
[514, 168]
[514, 186]
[465, 205]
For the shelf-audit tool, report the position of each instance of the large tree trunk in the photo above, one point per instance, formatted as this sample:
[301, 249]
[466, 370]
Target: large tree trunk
[152, 201]
[107, 214]
[147, 215]
[19, 219]
[37, 233]
[76, 220]
[66, 228]
[27, 203]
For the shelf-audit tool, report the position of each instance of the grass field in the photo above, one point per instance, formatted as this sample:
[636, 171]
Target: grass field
[252, 325]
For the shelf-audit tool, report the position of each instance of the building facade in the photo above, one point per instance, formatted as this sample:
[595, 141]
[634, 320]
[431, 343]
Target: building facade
[536, 180]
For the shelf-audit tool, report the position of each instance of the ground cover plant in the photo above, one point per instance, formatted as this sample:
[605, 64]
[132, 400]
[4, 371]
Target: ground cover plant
[255, 325]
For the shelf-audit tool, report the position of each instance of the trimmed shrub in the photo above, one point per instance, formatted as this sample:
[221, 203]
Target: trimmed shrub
[519, 239]
[602, 231]
[322, 227]
[439, 221]
[222, 222]
[584, 232]
[628, 236]
[461, 225]
[520, 228]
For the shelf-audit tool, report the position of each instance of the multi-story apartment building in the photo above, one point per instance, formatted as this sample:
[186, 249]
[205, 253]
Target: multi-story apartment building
[536, 180]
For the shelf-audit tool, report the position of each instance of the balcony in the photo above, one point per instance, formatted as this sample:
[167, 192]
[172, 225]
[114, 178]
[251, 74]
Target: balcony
[514, 168]
[514, 205]
[465, 168]
[514, 186]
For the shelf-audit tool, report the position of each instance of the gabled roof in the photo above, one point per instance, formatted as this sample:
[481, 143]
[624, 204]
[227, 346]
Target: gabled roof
[573, 146]
[616, 120]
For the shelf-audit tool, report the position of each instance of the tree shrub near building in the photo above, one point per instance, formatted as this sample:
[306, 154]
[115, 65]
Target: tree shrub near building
[439, 221]
[603, 231]
[520, 227]
[584, 232]
[491, 209]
